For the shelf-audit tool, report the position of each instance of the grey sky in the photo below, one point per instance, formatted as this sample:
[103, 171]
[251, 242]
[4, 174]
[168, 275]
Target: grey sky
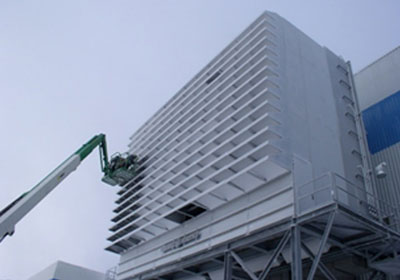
[72, 69]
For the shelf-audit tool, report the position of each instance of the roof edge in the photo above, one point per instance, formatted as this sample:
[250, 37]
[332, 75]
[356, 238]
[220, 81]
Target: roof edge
[377, 60]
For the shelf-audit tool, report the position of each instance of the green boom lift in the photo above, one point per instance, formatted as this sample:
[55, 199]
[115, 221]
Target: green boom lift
[118, 171]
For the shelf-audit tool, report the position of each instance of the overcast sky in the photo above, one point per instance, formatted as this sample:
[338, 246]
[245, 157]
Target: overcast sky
[71, 69]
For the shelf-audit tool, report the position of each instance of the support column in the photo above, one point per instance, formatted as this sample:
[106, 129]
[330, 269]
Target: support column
[282, 243]
[324, 239]
[296, 266]
[227, 266]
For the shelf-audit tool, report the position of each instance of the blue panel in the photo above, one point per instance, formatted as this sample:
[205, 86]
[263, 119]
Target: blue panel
[382, 123]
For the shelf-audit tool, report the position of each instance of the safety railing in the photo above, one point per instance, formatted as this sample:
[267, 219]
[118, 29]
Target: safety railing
[332, 188]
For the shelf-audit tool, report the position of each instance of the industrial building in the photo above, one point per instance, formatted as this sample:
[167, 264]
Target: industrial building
[258, 167]
[66, 271]
[378, 87]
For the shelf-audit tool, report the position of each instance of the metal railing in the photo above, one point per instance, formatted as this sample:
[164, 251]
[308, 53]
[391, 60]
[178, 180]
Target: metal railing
[332, 188]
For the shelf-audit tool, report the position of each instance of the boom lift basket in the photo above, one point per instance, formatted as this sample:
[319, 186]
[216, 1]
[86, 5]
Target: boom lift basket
[121, 170]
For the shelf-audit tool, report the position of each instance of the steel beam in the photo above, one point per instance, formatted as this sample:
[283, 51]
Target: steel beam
[243, 265]
[372, 225]
[321, 265]
[187, 271]
[332, 240]
[210, 255]
[381, 253]
[259, 249]
[227, 266]
[344, 226]
[322, 245]
[276, 253]
[235, 270]
[296, 265]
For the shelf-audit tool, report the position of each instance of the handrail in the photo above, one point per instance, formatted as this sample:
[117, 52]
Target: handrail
[334, 188]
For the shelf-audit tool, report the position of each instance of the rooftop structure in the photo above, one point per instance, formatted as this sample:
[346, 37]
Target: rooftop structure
[66, 271]
[257, 167]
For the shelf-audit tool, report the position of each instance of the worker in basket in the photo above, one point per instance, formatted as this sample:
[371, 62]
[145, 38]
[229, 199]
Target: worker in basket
[119, 161]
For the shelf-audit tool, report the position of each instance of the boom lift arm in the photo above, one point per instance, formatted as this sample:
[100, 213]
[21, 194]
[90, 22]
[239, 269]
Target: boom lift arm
[119, 171]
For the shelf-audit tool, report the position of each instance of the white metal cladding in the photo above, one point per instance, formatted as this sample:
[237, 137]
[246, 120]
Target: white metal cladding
[238, 218]
[211, 144]
[379, 79]
[225, 155]
[388, 187]
[375, 83]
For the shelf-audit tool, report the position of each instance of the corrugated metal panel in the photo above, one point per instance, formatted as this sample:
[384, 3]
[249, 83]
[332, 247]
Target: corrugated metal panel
[388, 187]
[378, 87]
[382, 123]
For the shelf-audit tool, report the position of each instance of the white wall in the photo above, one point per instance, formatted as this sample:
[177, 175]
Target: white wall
[378, 80]
[65, 271]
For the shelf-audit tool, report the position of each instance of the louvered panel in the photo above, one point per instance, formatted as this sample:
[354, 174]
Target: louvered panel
[210, 144]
